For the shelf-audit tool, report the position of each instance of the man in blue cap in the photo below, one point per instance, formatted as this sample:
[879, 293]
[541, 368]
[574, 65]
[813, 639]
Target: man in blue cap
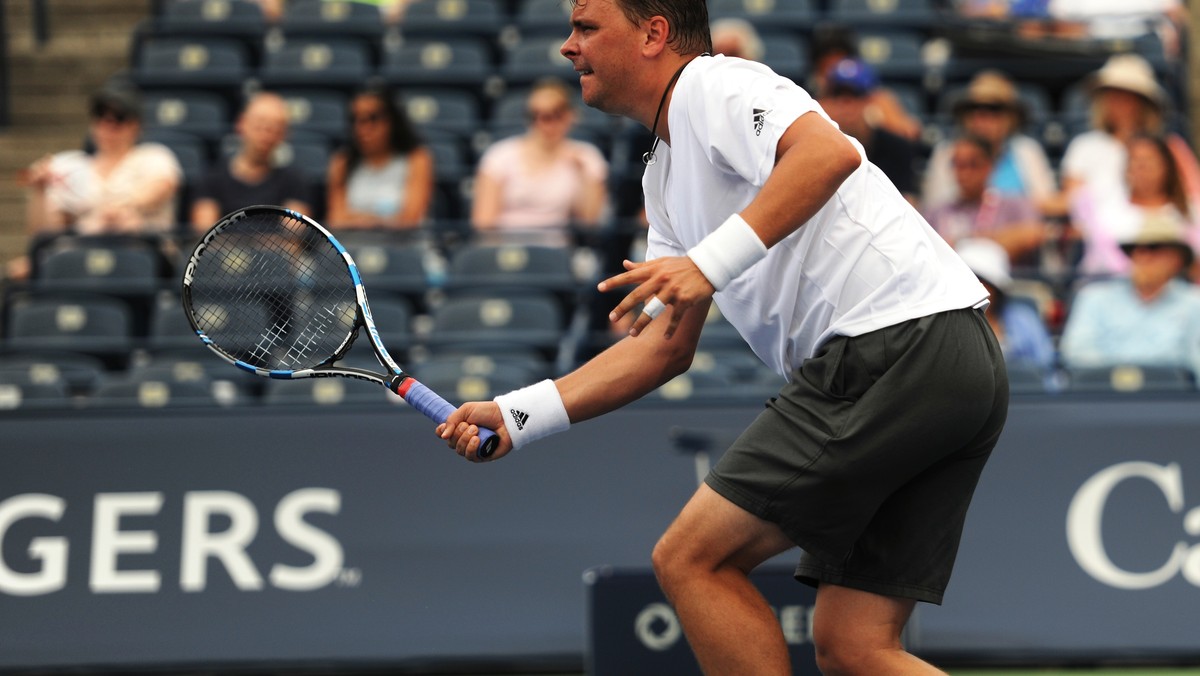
[846, 97]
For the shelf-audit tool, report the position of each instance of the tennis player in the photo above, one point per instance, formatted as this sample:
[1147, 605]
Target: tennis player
[868, 457]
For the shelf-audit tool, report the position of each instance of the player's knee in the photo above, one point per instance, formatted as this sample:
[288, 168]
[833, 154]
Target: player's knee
[838, 659]
[671, 563]
[846, 651]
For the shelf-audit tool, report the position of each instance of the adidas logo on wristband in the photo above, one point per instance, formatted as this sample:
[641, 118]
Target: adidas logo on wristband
[519, 417]
[524, 427]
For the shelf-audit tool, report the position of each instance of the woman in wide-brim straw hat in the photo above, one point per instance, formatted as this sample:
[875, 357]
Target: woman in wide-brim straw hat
[1127, 100]
[991, 107]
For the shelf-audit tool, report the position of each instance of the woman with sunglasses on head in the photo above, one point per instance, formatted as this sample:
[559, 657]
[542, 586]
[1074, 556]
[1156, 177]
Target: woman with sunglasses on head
[383, 178]
[120, 187]
[1152, 189]
[540, 182]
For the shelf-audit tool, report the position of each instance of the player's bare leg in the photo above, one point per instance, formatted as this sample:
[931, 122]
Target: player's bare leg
[857, 632]
[702, 563]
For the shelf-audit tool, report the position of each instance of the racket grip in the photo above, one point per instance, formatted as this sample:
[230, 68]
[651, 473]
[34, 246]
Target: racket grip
[437, 409]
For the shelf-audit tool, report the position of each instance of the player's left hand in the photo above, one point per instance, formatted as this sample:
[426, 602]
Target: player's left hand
[674, 280]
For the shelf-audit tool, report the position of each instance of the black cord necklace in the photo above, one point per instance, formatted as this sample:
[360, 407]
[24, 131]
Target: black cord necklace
[648, 158]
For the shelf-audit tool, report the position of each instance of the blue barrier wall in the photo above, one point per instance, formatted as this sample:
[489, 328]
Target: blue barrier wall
[282, 535]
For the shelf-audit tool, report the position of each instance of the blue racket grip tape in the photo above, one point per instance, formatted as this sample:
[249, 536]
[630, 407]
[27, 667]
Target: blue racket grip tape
[437, 409]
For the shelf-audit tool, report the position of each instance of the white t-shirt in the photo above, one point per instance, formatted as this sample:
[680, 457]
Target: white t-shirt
[865, 261]
[1098, 160]
[79, 191]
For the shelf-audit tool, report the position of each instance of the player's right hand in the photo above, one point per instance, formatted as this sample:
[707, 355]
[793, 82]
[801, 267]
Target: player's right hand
[461, 430]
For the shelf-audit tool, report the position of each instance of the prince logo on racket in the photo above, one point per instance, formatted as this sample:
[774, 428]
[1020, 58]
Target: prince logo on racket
[896, 389]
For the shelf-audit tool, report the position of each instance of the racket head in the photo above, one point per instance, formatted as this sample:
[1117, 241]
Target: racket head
[273, 292]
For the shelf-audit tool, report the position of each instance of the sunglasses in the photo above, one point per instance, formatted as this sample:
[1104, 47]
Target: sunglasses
[1153, 246]
[993, 108]
[369, 118]
[968, 164]
[110, 115]
[552, 115]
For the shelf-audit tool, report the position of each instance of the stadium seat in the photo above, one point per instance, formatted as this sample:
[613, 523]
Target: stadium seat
[513, 268]
[521, 319]
[543, 16]
[482, 366]
[202, 114]
[444, 18]
[191, 151]
[459, 388]
[221, 64]
[1130, 378]
[97, 325]
[1027, 379]
[918, 14]
[317, 111]
[391, 269]
[233, 18]
[169, 327]
[342, 63]
[21, 391]
[895, 54]
[393, 318]
[452, 61]
[786, 54]
[485, 360]
[444, 109]
[77, 371]
[329, 18]
[326, 392]
[793, 15]
[124, 271]
[309, 155]
[449, 158]
[227, 386]
[534, 58]
[141, 389]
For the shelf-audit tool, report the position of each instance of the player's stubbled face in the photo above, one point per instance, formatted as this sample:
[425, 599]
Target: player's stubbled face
[603, 46]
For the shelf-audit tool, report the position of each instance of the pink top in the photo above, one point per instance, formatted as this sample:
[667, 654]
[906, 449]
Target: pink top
[542, 197]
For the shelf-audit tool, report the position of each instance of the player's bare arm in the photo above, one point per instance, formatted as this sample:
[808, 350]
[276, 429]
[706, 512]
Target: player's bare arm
[621, 374]
[794, 193]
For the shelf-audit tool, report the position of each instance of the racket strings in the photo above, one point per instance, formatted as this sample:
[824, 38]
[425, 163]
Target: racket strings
[274, 292]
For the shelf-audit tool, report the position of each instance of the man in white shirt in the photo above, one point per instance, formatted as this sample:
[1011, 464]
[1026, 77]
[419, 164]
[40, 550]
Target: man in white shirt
[897, 393]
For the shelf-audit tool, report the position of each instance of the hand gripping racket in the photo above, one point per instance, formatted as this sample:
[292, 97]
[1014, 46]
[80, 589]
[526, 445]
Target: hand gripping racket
[274, 293]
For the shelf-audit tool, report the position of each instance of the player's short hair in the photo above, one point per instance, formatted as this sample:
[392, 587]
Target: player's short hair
[688, 20]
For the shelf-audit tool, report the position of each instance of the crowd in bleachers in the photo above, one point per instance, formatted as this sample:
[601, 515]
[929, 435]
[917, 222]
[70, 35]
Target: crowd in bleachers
[445, 143]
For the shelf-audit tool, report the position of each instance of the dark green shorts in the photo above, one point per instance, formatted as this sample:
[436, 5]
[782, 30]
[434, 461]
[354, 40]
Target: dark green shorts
[869, 457]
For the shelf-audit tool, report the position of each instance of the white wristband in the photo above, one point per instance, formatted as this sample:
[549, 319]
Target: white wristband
[728, 251]
[533, 412]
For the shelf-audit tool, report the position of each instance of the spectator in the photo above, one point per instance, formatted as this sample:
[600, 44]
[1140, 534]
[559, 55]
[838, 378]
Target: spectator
[833, 42]
[991, 108]
[542, 180]
[1150, 318]
[382, 179]
[849, 86]
[1152, 189]
[122, 187]
[980, 210]
[733, 36]
[250, 176]
[272, 9]
[1022, 334]
[1126, 100]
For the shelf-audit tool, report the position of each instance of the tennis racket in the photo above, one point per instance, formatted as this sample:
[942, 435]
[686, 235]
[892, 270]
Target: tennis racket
[274, 293]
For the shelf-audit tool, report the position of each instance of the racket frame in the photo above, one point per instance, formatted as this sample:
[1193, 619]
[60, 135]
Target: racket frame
[396, 380]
